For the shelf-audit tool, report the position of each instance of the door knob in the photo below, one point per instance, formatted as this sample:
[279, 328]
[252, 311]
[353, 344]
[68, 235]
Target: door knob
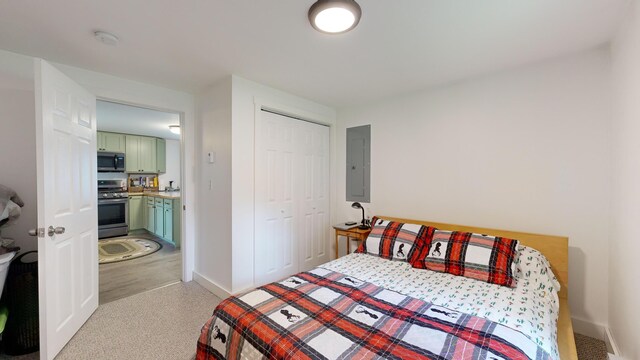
[58, 230]
[39, 232]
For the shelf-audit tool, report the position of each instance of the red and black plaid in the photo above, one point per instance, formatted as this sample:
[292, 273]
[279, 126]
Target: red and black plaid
[494, 268]
[387, 234]
[404, 327]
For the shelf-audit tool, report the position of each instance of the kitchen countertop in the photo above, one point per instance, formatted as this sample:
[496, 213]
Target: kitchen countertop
[160, 194]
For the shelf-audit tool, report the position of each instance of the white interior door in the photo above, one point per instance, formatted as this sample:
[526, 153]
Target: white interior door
[67, 196]
[276, 247]
[291, 196]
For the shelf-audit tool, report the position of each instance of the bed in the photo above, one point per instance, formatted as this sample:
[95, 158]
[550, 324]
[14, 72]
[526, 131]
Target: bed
[360, 306]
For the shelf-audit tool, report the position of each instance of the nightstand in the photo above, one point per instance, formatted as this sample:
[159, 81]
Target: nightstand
[351, 234]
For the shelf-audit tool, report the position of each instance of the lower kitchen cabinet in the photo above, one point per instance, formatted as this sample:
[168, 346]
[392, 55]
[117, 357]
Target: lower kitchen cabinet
[161, 217]
[150, 215]
[136, 213]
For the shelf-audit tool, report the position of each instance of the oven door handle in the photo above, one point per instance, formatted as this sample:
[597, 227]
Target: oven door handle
[113, 201]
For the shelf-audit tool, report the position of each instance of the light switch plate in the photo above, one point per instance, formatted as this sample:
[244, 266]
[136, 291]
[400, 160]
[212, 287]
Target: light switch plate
[212, 157]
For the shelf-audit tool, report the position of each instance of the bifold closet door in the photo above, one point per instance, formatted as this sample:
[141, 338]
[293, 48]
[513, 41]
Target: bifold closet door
[276, 212]
[291, 196]
[313, 220]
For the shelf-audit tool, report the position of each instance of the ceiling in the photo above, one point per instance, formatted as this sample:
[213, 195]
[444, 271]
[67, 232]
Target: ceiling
[399, 46]
[135, 120]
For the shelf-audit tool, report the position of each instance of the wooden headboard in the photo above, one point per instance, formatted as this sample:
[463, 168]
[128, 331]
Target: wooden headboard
[555, 248]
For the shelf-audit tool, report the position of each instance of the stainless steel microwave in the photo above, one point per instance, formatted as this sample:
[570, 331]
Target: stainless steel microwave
[110, 162]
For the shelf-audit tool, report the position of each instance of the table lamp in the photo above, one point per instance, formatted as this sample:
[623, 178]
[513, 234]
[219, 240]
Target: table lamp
[363, 226]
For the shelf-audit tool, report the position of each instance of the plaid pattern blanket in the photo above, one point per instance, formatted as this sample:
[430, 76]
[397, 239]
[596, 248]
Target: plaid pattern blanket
[327, 315]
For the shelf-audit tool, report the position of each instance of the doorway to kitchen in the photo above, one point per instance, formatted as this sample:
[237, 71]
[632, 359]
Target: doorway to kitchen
[139, 199]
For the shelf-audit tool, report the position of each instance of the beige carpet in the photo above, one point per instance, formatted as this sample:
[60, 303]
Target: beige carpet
[158, 324]
[590, 348]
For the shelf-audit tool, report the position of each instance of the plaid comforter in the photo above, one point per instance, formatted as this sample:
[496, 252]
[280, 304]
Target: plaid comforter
[328, 315]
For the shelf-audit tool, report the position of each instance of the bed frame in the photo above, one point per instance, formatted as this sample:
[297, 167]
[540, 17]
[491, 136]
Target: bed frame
[555, 248]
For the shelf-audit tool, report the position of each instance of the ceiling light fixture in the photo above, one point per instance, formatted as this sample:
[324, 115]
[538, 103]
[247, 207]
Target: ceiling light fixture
[106, 38]
[334, 16]
[174, 129]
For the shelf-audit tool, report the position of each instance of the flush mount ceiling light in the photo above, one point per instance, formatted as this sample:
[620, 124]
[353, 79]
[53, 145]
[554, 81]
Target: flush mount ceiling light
[106, 38]
[334, 16]
[174, 129]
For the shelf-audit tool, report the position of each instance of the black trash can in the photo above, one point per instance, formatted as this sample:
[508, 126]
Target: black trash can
[21, 335]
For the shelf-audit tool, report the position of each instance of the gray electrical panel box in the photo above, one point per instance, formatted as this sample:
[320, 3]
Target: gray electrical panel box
[359, 163]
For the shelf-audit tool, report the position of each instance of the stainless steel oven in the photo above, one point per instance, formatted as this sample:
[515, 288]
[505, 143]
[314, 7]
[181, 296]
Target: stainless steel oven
[111, 162]
[113, 209]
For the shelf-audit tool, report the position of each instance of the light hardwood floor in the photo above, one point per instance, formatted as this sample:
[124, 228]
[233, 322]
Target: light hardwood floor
[126, 278]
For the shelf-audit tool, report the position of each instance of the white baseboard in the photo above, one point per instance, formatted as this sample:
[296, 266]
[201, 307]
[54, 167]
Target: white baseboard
[216, 289]
[612, 347]
[599, 332]
[588, 328]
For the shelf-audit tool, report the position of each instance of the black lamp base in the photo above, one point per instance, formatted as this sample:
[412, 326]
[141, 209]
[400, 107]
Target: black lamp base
[363, 227]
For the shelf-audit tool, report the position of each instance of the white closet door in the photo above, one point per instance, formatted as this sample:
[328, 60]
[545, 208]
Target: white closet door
[291, 196]
[276, 245]
[314, 194]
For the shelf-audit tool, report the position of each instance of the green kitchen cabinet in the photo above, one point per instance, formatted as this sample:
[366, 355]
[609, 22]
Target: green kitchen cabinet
[150, 214]
[168, 220]
[147, 155]
[136, 213]
[140, 154]
[162, 218]
[132, 163]
[177, 222]
[111, 142]
[161, 155]
[159, 218]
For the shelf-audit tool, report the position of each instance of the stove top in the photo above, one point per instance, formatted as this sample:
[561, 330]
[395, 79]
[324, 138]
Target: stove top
[112, 189]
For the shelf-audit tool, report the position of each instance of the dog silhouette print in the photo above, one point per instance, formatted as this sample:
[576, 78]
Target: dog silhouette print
[290, 317]
[354, 282]
[380, 222]
[361, 310]
[436, 250]
[219, 335]
[400, 252]
[445, 313]
[292, 280]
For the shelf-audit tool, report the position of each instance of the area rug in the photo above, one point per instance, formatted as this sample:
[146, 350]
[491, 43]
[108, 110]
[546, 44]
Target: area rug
[115, 250]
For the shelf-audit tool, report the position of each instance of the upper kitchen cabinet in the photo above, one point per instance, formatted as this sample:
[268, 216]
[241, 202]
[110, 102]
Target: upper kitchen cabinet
[141, 154]
[161, 155]
[111, 142]
[147, 154]
[133, 149]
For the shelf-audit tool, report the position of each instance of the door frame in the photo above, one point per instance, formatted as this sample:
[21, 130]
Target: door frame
[186, 243]
[301, 115]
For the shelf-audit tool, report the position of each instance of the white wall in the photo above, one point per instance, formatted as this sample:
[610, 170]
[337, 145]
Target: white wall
[213, 249]
[173, 165]
[17, 150]
[624, 278]
[525, 150]
[135, 93]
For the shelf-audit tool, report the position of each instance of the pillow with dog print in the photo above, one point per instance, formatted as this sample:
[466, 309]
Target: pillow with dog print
[394, 240]
[481, 257]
